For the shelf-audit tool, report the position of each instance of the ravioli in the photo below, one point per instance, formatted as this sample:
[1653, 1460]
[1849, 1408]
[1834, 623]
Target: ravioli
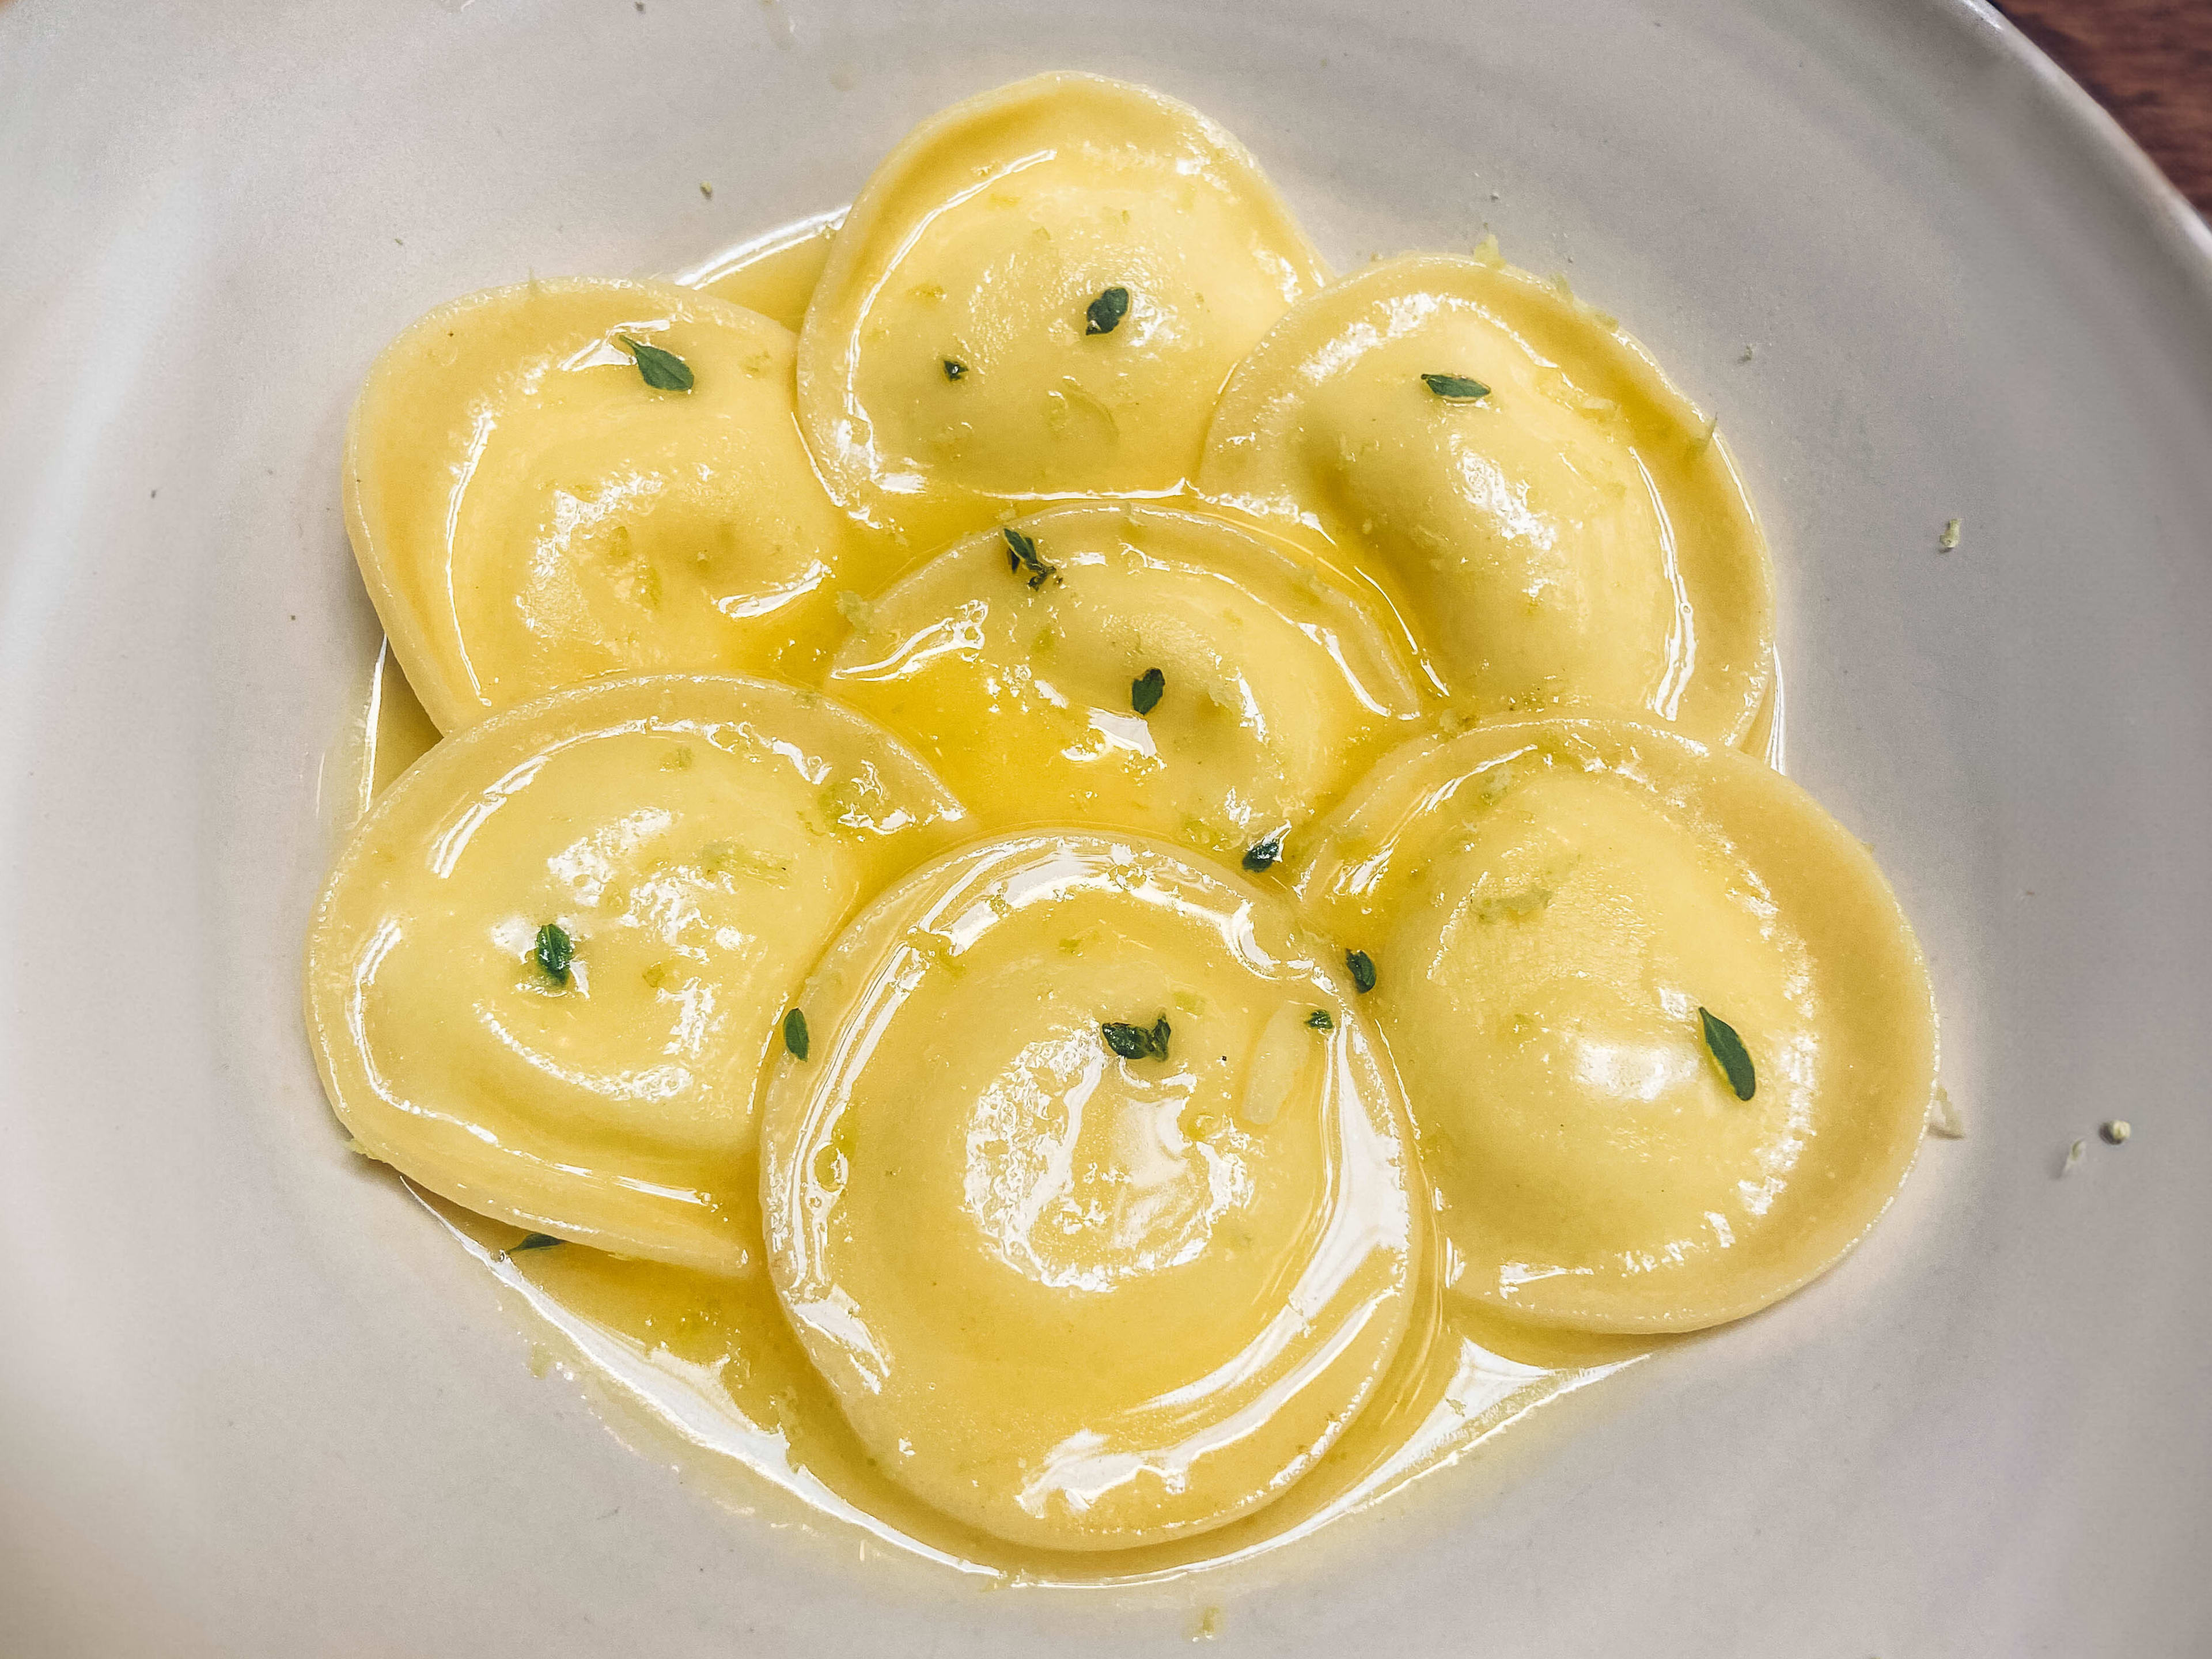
[1039, 294]
[1552, 909]
[1093, 1202]
[1562, 523]
[528, 511]
[935, 1122]
[1160, 671]
[548, 966]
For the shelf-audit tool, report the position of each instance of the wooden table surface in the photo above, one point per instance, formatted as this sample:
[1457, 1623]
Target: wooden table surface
[2149, 62]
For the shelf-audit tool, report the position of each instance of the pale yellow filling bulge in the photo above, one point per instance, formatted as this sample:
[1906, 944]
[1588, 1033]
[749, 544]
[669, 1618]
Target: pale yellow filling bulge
[1560, 524]
[1078, 1299]
[951, 361]
[696, 841]
[1548, 906]
[1277, 684]
[529, 511]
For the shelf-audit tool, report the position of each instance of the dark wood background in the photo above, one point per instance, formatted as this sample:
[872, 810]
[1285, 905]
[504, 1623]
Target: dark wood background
[2149, 62]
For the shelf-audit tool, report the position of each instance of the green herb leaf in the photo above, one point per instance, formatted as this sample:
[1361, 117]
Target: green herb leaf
[1454, 388]
[1129, 1041]
[554, 950]
[533, 1241]
[1728, 1051]
[1319, 1021]
[1137, 1041]
[954, 368]
[1263, 856]
[1361, 969]
[794, 1034]
[664, 371]
[1021, 554]
[1146, 690]
[1105, 314]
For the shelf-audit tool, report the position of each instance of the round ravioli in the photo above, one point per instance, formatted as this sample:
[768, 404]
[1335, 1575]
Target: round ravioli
[1665, 1033]
[1520, 474]
[1040, 293]
[567, 478]
[549, 964]
[1133, 666]
[1093, 1202]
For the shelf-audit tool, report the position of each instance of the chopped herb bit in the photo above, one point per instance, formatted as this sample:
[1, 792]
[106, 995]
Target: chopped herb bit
[794, 1034]
[664, 371]
[1263, 856]
[1454, 388]
[2072, 1156]
[1525, 902]
[1361, 969]
[1137, 1041]
[1022, 555]
[1319, 1021]
[554, 950]
[1949, 539]
[1105, 314]
[1146, 690]
[2116, 1131]
[533, 1241]
[1728, 1051]
[954, 368]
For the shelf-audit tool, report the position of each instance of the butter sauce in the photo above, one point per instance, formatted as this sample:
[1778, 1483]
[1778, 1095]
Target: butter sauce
[704, 1368]
[1236, 1138]
[1277, 685]
[712, 1370]
[775, 274]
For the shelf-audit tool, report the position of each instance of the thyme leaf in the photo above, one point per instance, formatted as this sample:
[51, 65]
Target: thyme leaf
[1729, 1052]
[1454, 388]
[1105, 314]
[1022, 555]
[664, 371]
[554, 952]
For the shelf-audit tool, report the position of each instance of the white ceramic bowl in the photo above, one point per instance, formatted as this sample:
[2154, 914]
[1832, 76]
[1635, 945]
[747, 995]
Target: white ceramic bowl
[251, 1402]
